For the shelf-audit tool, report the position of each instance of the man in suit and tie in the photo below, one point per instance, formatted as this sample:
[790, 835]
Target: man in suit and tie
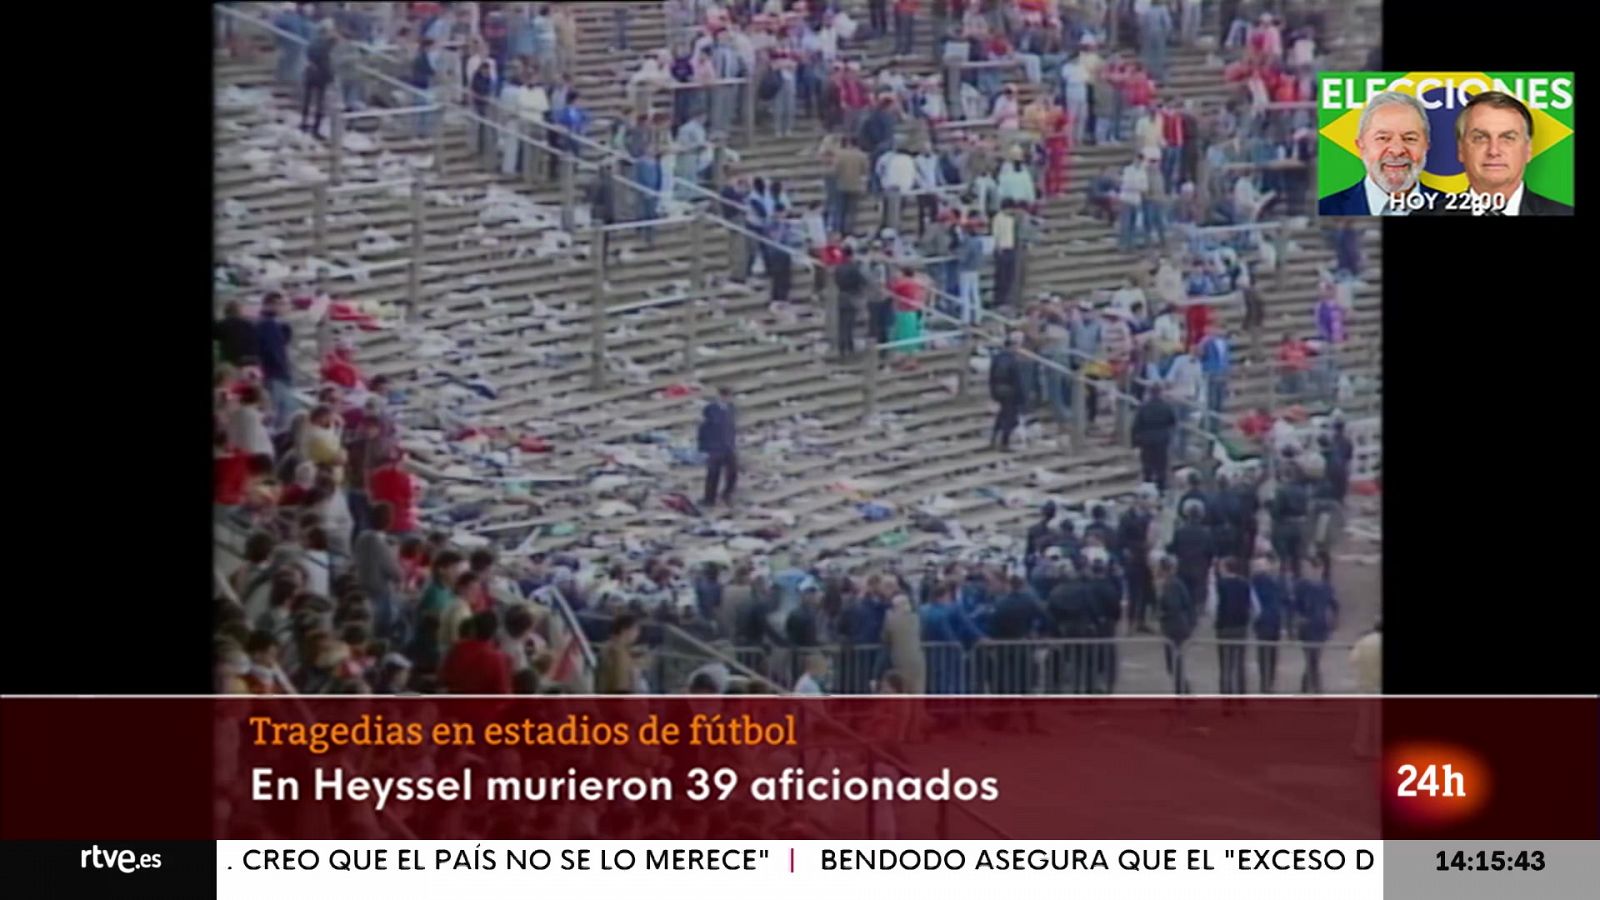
[1393, 136]
[1494, 141]
[719, 442]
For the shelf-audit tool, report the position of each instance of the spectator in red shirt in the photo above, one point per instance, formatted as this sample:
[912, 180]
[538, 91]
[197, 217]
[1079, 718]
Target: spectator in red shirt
[910, 295]
[416, 562]
[392, 484]
[905, 13]
[299, 492]
[1293, 362]
[832, 253]
[475, 664]
[1174, 136]
[260, 489]
[339, 368]
[1138, 88]
[481, 564]
[230, 471]
[1256, 425]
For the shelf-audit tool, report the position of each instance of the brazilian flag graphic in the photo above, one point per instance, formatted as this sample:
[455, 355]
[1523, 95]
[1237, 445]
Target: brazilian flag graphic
[1548, 95]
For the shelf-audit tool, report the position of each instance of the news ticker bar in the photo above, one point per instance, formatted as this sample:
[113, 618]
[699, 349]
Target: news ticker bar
[780, 870]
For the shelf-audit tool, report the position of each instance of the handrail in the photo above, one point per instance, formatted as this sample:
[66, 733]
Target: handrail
[569, 619]
[356, 187]
[673, 84]
[389, 112]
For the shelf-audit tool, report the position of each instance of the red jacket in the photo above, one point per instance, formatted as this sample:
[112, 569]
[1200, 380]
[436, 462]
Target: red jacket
[852, 93]
[392, 485]
[1173, 133]
[1293, 356]
[1140, 90]
[475, 667]
[337, 368]
[909, 294]
[230, 474]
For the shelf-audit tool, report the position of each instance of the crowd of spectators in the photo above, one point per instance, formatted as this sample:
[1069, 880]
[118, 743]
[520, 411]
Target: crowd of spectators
[341, 591]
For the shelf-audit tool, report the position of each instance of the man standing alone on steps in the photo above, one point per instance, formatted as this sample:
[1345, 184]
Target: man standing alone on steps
[719, 442]
[1152, 434]
[1006, 387]
[853, 285]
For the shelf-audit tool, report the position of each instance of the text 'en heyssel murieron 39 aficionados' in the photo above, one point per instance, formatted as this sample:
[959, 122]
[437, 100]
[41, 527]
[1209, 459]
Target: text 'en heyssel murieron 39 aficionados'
[791, 784]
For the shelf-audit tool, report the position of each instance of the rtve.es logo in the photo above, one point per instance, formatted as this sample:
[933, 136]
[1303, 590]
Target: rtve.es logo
[124, 861]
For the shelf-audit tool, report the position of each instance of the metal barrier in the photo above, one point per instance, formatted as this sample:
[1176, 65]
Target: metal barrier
[1051, 666]
[1045, 666]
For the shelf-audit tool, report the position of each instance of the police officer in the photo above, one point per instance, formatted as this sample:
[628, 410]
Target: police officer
[1318, 613]
[1236, 606]
[1266, 582]
[1105, 592]
[1288, 510]
[1040, 534]
[1133, 534]
[1194, 550]
[1008, 389]
[1071, 612]
[1178, 614]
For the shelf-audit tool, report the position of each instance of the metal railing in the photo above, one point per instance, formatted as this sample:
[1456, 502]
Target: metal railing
[1136, 664]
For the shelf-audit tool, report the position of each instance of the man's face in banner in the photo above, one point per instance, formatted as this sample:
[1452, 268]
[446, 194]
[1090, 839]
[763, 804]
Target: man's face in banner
[1494, 148]
[1393, 147]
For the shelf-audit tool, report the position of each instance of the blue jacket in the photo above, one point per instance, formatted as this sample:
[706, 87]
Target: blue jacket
[647, 171]
[1019, 615]
[272, 339]
[574, 119]
[718, 429]
[1316, 606]
[946, 623]
[863, 621]
[1215, 356]
[1269, 594]
[708, 596]
[1352, 201]
[1233, 602]
[422, 71]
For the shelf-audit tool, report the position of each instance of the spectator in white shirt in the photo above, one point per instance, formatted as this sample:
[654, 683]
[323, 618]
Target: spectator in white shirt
[1147, 134]
[1185, 392]
[1189, 25]
[1016, 183]
[1125, 297]
[510, 111]
[247, 429]
[650, 75]
[1167, 330]
[1075, 91]
[928, 183]
[1007, 113]
[816, 673]
[897, 172]
[1134, 184]
[480, 56]
[984, 188]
